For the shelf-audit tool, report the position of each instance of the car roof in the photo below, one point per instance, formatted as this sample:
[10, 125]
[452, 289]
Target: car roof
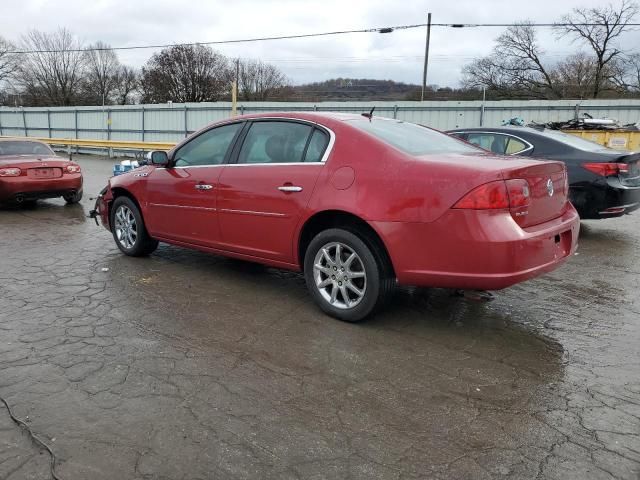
[313, 116]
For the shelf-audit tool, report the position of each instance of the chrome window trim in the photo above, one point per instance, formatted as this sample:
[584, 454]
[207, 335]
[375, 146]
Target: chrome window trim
[323, 160]
[490, 132]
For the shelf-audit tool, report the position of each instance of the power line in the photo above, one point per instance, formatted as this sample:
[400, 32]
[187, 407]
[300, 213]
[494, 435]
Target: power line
[382, 30]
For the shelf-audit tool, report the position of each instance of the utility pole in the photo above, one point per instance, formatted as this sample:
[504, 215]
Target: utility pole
[234, 90]
[426, 57]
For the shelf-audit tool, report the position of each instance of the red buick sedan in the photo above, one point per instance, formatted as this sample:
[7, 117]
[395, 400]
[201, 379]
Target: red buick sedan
[30, 170]
[358, 204]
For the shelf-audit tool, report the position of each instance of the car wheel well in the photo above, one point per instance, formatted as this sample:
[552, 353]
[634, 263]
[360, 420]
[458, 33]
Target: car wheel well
[121, 192]
[352, 223]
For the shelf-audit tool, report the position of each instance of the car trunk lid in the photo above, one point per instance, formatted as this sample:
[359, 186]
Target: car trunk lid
[630, 177]
[36, 167]
[547, 185]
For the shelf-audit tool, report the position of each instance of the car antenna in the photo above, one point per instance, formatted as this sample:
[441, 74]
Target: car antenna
[369, 115]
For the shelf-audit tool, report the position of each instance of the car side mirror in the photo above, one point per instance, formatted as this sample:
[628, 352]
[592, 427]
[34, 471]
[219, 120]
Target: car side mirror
[159, 158]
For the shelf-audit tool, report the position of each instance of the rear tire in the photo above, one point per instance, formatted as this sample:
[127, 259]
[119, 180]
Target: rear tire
[127, 227]
[346, 277]
[71, 198]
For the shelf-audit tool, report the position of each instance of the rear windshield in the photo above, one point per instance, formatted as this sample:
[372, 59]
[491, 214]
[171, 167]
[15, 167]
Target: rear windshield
[411, 138]
[19, 147]
[574, 141]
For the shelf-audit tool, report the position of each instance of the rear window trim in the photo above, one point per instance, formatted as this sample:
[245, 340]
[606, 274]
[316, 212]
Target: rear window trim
[493, 132]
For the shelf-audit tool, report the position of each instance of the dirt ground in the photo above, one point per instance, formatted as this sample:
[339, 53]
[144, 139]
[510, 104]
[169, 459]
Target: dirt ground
[189, 366]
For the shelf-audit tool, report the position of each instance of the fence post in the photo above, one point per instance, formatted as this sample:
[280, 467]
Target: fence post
[75, 126]
[24, 122]
[143, 123]
[395, 112]
[1, 132]
[109, 124]
[49, 121]
[186, 129]
[577, 114]
[241, 109]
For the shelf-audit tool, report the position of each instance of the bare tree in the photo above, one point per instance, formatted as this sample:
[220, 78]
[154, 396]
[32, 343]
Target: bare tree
[599, 28]
[102, 68]
[575, 75]
[633, 72]
[51, 74]
[259, 80]
[186, 73]
[127, 84]
[8, 62]
[515, 67]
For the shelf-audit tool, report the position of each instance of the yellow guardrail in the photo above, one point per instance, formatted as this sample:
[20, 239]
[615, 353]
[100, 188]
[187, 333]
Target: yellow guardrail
[106, 144]
[616, 139]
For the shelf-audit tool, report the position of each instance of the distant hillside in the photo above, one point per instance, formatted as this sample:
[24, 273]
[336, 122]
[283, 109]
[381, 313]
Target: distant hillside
[353, 89]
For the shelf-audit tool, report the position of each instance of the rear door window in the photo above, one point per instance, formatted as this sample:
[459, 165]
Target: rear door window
[497, 143]
[317, 145]
[275, 142]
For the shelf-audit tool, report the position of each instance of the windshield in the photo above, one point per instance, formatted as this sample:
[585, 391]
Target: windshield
[20, 147]
[411, 138]
[574, 141]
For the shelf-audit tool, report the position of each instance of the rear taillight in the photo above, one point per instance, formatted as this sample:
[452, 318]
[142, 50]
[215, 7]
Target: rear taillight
[73, 168]
[10, 172]
[497, 195]
[519, 194]
[607, 169]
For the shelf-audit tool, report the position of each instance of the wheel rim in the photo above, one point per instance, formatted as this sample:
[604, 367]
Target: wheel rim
[339, 275]
[126, 227]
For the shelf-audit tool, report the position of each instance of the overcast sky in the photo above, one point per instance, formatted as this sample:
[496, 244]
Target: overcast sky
[396, 56]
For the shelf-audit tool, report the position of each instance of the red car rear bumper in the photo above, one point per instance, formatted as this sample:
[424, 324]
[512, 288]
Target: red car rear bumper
[11, 187]
[483, 250]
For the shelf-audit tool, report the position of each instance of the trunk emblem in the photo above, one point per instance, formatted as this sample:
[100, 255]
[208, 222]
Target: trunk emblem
[550, 187]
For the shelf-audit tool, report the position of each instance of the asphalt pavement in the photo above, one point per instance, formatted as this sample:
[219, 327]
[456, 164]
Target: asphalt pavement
[185, 365]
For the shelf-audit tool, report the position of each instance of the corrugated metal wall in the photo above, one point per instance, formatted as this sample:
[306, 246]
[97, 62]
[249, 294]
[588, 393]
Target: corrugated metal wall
[172, 122]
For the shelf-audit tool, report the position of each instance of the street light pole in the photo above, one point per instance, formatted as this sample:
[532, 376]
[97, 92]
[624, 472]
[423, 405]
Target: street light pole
[426, 57]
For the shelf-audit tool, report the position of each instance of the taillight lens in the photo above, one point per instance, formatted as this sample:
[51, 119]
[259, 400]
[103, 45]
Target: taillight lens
[607, 169]
[497, 195]
[489, 196]
[73, 168]
[10, 172]
[519, 193]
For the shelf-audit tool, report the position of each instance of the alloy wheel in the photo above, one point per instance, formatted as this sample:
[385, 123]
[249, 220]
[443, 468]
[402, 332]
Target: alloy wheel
[126, 227]
[339, 275]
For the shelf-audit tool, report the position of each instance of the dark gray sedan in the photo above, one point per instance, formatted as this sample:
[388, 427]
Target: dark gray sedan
[603, 182]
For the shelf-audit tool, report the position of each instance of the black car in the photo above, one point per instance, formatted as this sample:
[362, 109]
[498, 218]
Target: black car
[603, 183]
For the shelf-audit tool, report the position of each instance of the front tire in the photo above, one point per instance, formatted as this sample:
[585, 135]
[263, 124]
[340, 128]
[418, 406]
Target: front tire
[127, 227]
[343, 275]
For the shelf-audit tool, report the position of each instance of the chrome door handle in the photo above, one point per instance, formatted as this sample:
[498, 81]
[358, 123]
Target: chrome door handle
[290, 188]
[202, 186]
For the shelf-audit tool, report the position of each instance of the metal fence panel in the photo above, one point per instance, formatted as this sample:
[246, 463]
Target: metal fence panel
[171, 122]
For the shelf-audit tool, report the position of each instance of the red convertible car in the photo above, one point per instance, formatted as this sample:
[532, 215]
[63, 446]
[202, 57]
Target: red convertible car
[359, 204]
[30, 170]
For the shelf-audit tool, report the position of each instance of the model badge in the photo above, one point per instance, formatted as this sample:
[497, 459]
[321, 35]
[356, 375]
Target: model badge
[550, 187]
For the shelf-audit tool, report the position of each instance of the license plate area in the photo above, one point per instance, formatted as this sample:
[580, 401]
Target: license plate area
[43, 172]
